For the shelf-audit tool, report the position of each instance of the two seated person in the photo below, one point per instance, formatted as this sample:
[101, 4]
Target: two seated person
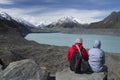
[94, 58]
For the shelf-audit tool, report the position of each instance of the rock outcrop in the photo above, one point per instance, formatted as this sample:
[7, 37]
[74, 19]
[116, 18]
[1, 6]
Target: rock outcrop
[21, 70]
[118, 75]
[69, 75]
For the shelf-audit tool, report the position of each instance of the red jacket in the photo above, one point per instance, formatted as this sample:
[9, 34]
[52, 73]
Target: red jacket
[74, 48]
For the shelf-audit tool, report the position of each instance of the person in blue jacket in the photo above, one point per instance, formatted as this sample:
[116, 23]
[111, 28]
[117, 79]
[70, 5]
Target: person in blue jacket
[97, 58]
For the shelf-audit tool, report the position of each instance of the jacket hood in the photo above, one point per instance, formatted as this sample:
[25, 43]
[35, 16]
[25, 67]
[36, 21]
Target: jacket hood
[97, 44]
[79, 44]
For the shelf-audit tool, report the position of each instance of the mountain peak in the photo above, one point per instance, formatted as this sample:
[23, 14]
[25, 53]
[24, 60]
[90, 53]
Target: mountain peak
[115, 12]
[113, 17]
[68, 19]
[66, 22]
[4, 15]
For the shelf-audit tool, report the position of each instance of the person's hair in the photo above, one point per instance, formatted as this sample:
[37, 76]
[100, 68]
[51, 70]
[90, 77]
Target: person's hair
[79, 40]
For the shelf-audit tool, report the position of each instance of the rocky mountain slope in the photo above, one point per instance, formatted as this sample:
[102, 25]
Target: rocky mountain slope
[6, 16]
[8, 25]
[112, 21]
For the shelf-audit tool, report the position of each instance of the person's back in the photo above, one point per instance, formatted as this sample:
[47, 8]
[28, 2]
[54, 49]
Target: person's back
[96, 57]
[75, 54]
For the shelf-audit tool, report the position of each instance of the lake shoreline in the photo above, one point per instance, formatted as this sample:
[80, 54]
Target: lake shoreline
[110, 32]
[100, 31]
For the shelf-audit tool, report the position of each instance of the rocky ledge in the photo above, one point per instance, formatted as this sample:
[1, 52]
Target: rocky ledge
[69, 75]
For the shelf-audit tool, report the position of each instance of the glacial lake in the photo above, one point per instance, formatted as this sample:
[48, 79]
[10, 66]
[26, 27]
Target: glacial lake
[109, 43]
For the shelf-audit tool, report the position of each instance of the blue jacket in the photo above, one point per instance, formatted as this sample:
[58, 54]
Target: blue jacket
[96, 58]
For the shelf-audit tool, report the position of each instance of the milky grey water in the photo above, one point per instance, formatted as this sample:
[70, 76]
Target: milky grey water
[109, 43]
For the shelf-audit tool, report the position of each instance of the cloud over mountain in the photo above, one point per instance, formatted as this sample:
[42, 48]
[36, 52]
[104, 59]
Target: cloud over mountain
[36, 11]
[6, 2]
[44, 15]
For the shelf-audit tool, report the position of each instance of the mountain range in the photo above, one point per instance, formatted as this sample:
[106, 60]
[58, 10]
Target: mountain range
[22, 26]
[66, 23]
[111, 21]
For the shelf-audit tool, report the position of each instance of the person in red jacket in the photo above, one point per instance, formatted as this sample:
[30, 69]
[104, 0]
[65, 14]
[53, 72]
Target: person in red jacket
[73, 48]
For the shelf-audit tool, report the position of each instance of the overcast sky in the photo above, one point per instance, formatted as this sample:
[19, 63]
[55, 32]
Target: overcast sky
[37, 11]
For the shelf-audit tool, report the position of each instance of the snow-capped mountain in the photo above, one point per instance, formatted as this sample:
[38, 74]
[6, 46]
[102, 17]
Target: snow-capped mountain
[66, 22]
[41, 25]
[6, 16]
[11, 26]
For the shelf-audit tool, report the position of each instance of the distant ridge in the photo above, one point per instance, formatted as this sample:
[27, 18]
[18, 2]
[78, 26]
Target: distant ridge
[10, 26]
[112, 21]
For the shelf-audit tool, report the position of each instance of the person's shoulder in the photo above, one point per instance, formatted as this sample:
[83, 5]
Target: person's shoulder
[100, 50]
[91, 49]
[72, 47]
[95, 50]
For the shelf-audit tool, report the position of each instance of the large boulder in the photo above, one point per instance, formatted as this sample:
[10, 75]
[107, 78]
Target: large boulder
[21, 70]
[69, 75]
[118, 75]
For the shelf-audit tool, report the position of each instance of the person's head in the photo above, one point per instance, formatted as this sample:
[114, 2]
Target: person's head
[79, 40]
[97, 44]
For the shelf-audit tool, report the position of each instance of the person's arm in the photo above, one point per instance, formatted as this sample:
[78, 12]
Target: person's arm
[85, 54]
[70, 52]
[103, 61]
[68, 55]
